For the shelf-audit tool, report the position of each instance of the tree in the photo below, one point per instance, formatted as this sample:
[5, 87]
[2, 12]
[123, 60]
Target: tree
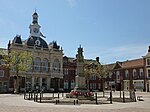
[102, 72]
[95, 68]
[18, 61]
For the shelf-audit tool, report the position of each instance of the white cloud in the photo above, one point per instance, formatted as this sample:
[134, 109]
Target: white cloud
[121, 53]
[72, 2]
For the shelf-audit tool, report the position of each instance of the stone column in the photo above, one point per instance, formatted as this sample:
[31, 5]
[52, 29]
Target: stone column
[80, 78]
[32, 82]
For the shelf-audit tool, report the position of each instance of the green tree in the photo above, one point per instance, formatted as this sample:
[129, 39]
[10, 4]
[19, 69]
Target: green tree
[18, 61]
[95, 68]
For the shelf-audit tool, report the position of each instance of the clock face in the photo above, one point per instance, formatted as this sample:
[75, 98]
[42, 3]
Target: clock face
[35, 30]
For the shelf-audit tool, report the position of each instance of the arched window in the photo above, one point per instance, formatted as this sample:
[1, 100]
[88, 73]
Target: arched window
[141, 73]
[45, 65]
[56, 66]
[134, 73]
[126, 74]
[37, 63]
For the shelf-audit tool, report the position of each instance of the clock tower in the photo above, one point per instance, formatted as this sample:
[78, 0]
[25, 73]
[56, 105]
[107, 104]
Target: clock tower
[35, 27]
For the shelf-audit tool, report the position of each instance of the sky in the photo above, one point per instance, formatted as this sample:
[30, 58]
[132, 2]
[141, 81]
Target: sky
[114, 30]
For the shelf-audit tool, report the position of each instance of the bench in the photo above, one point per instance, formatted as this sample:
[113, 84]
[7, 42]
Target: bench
[139, 98]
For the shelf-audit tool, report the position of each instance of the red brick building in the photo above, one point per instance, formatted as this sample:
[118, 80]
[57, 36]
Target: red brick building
[129, 75]
[126, 75]
[69, 71]
[4, 73]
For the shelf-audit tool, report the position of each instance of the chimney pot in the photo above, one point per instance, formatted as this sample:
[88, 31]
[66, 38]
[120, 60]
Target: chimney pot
[149, 49]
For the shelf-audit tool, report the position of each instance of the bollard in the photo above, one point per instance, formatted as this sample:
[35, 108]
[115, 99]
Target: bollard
[29, 95]
[58, 95]
[96, 98]
[111, 97]
[74, 102]
[56, 101]
[40, 96]
[34, 96]
[24, 94]
[123, 97]
[53, 95]
[77, 101]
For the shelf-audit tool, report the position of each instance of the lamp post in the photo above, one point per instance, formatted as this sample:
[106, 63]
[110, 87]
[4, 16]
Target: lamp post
[120, 84]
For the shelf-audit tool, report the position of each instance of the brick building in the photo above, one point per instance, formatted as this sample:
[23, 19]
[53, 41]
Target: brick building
[129, 75]
[4, 73]
[126, 75]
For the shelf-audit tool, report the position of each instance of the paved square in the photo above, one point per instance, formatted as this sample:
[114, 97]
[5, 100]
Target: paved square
[16, 103]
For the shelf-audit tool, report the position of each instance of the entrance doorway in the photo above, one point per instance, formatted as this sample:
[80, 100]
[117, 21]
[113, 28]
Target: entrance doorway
[56, 85]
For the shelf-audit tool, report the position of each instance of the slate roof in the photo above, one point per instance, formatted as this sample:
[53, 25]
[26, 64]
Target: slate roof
[31, 42]
[133, 63]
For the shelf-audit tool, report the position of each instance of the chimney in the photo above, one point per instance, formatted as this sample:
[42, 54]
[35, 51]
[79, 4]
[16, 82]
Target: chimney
[149, 49]
[97, 59]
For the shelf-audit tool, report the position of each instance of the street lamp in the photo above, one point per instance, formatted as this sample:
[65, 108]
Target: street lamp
[120, 84]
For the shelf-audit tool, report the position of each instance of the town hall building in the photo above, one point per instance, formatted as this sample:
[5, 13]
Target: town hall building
[47, 68]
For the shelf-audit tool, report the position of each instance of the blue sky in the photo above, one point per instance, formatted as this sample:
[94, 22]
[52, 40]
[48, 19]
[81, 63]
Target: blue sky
[114, 30]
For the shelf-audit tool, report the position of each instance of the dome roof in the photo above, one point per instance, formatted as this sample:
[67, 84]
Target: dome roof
[36, 41]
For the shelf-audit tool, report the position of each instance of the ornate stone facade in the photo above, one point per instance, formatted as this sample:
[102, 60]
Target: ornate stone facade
[47, 67]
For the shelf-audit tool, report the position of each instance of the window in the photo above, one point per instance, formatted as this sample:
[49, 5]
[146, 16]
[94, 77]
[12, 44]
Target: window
[118, 75]
[65, 71]
[56, 66]
[45, 65]
[72, 84]
[66, 84]
[149, 73]
[37, 63]
[93, 77]
[1, 73]
[93, 86]
[126, 74]
[110, 74]
[141, 73]
[134, 73]
[148, 62]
